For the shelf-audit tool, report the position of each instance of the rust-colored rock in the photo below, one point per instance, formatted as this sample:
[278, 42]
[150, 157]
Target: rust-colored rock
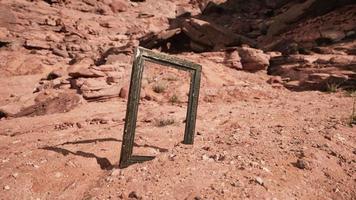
[47, 102]
[253, 59]
[124, 92]
[85, 71]
[118, 6]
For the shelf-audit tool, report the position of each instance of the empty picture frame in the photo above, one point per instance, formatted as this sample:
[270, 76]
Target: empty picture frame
[141, 55]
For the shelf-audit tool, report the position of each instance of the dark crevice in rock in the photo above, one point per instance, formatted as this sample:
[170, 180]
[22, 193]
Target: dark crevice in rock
[323, 41]
[178, 43]
[3, 44]
[2, 115]
[48, 1]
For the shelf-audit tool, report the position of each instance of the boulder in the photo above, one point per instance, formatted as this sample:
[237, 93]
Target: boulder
[94, 84]
[230, 58]
[47, 102]
[233, 59]
[124, 92]
[253, 59]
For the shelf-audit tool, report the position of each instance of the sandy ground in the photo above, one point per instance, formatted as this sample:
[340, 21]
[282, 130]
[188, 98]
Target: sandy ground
[247, 146]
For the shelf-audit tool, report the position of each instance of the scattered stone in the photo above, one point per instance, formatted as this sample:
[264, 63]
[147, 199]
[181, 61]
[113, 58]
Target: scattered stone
[207, 158]
[302, 164]
[259, 180]
[116, 172]
[63, 126]
[275, 80]
[58, 174]
[328, 137]
[15, 175]
[6, 187]
[314, 71]
[171, 157]
[60, 52]
[102, 120]
[109, 179]
[50, 21]
[218, 157]
[80, 124]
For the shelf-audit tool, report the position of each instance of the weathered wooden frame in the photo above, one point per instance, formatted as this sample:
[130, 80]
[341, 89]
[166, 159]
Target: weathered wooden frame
[140, 55]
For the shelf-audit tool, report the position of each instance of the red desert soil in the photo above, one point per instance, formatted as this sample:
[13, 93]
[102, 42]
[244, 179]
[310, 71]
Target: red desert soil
[254, 140]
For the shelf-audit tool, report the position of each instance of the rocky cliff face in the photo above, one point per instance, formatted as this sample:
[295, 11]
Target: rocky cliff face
[309, 44]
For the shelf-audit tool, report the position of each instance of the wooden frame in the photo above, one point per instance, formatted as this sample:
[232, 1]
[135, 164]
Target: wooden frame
[140, 55]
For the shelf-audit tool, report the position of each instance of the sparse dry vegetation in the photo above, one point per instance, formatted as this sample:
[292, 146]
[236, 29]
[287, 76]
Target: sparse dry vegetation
[332, 87]
[174, 99]
[159, 87]
[165, 122]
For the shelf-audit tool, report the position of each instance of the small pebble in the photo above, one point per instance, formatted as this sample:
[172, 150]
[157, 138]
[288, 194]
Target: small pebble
[80, 124]
[301, 164]
[15, 175]
[58, 174]
[259, 180]
[133, 195]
